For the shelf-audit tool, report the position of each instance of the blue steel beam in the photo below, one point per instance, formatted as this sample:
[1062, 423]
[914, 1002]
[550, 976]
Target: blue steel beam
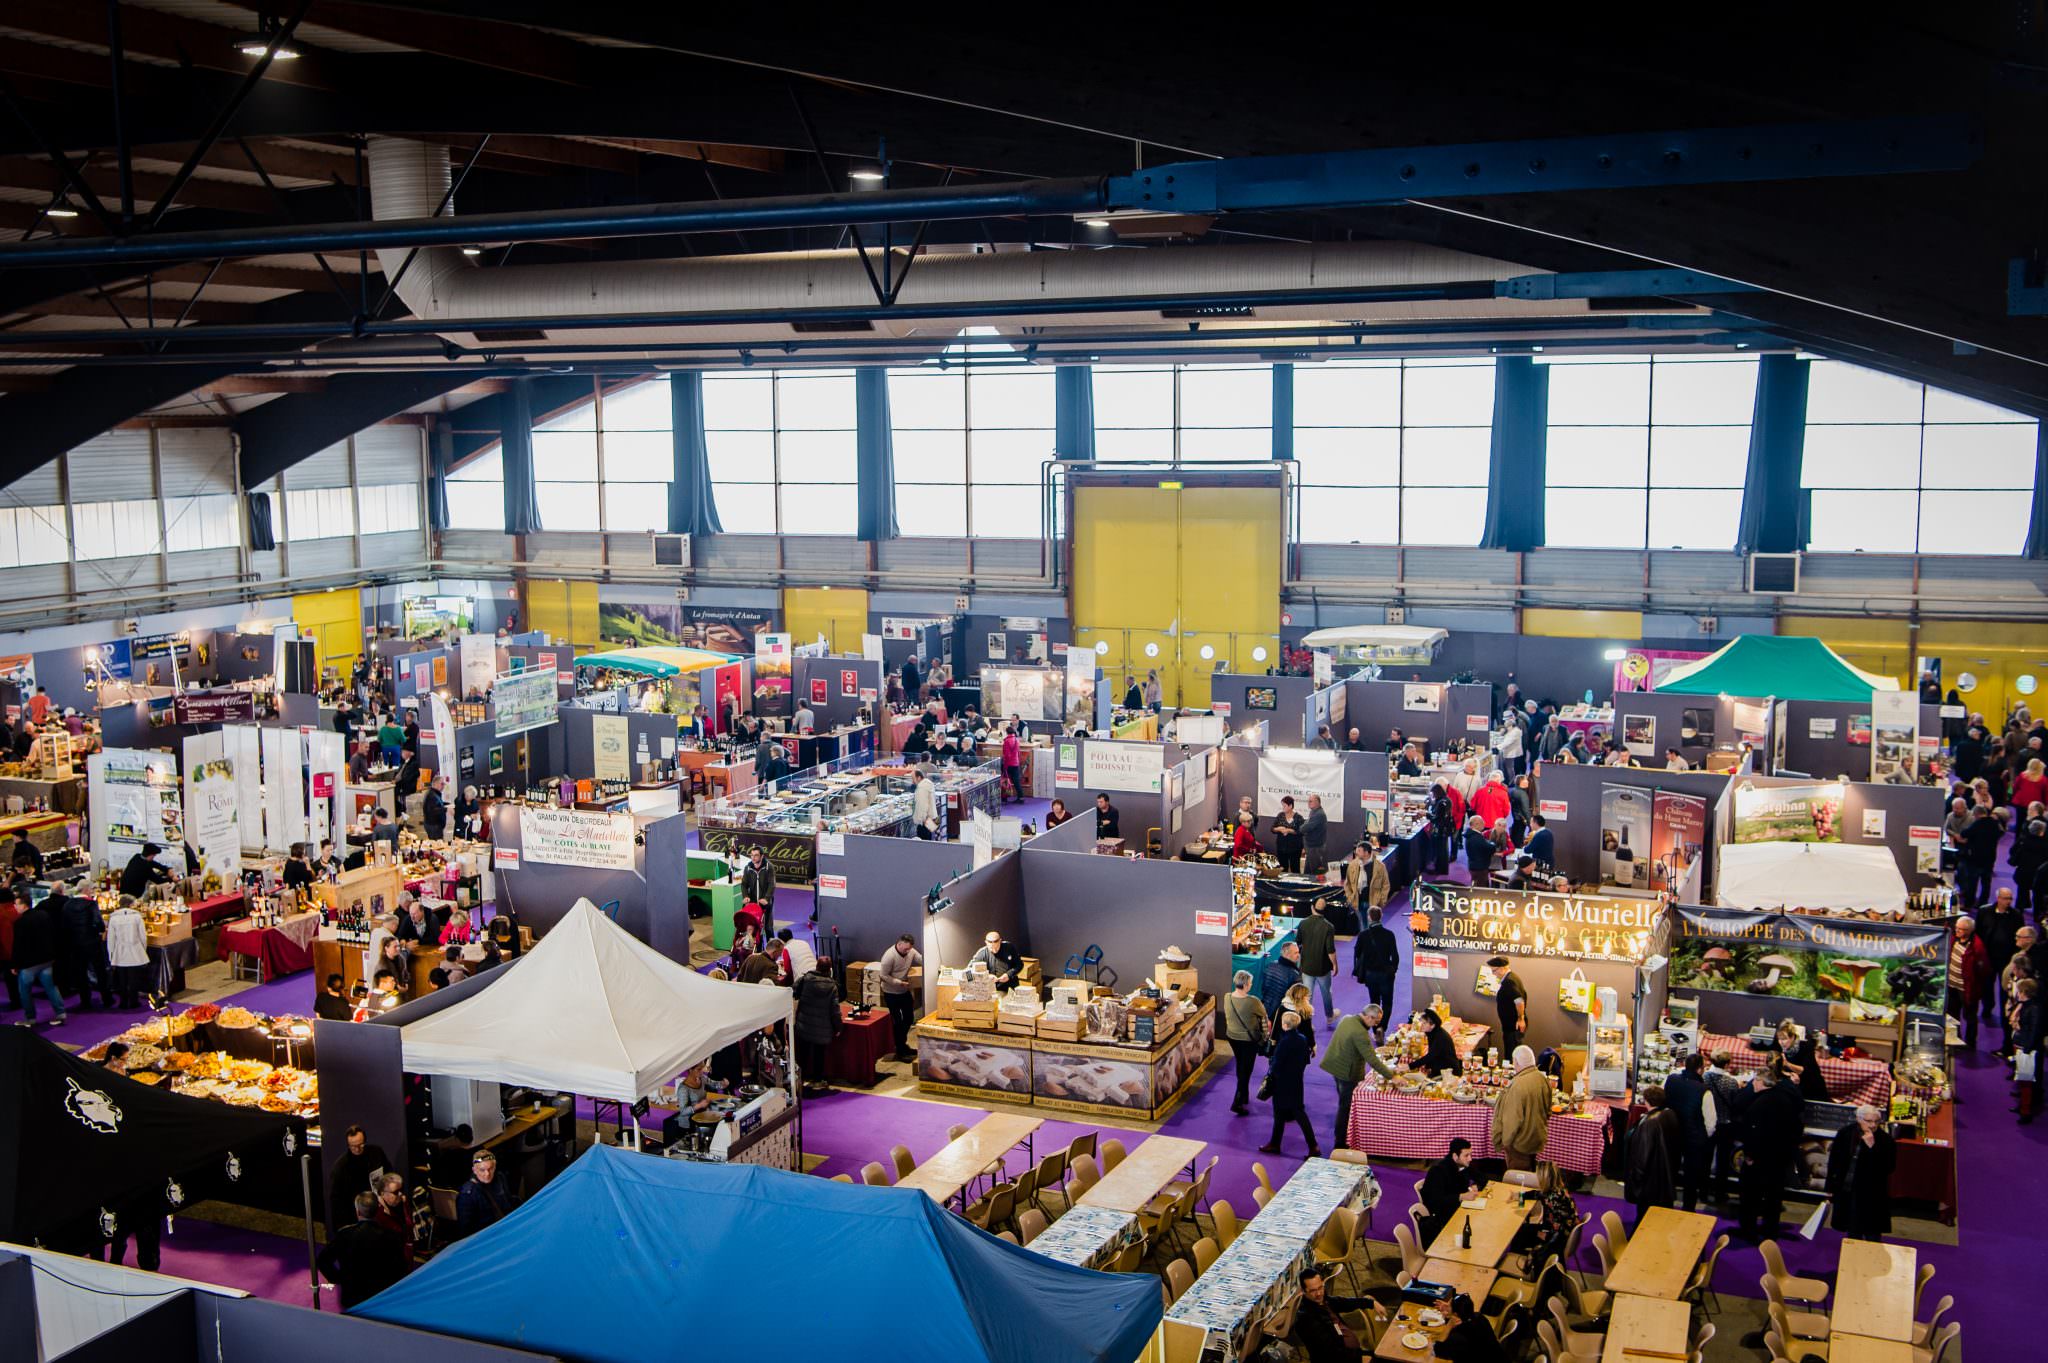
[1351, 179]
[2021, 298]
[1618, 284]
[1263, 184]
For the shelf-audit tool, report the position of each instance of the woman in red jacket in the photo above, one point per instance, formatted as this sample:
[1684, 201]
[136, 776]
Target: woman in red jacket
[1244, 844]
[2030, 785]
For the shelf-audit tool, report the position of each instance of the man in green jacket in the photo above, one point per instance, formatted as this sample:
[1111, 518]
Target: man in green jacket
[1349, 1056]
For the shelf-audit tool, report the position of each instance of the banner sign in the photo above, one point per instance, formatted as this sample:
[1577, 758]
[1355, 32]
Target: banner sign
[1016, 691]
[576, 837]
[1805, 956]
[1080, 687]
[231, 706]
[609, 736]
[1678, 837]
[1109, 765]
[1788, 813]
[772, 675]
[1533, 923]
[524, 700]
[1895, 751]
[793, 855]
[1300, 774]
[479, 664]
[1625, 837]
[212, 822]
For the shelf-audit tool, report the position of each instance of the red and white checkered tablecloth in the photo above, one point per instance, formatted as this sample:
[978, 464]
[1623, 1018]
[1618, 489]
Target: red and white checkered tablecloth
[1849, 1081]
[1402, 1126]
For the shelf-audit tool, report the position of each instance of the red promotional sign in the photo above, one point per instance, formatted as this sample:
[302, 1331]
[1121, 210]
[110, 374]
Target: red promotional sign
[849, 682]
[323, 785]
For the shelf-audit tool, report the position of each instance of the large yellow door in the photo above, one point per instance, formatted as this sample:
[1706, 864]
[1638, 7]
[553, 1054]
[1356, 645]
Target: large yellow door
[334, 620]
[565, 611]
[1182, 580]
[838, 613]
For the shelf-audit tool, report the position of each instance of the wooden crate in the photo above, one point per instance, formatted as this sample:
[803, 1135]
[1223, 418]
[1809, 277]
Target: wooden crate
[1062, 1029]
[980, 1017]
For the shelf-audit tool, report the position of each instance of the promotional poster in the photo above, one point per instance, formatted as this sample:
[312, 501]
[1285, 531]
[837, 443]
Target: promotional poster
[772, 676]
[1804, 956]
[719, 629]
[1678, 838]
[1625, 817]
[1788, 813]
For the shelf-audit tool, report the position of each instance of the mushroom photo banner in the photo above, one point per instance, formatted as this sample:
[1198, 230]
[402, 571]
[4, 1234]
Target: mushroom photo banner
[1804, 956]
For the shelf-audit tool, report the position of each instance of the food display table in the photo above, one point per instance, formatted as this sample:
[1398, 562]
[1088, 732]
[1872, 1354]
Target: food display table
[1402, 1126]
[282, 950]
[1647, 1327]
[1257, 961]
[943, 1175]
[48, 831]
[1409, 1325]
[1133, 1184]
[1849, 1081]
[1305, 1203]
[860, 1045]
[169, 959]
[1101, 1079]
[1874, 1289]
[1661, 1254]
[65, 796]
[1088, 1237]
[716, 892]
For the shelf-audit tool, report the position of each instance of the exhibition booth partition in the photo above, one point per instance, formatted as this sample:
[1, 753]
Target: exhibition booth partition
[69, 1310]
[1820, 738]
[1436, 713]
[544, 859]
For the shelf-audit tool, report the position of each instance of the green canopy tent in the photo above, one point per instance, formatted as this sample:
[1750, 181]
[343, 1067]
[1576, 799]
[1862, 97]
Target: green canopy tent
[1788, 667]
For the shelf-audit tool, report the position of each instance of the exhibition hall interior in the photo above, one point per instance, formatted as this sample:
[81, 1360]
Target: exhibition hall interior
[1101, 697]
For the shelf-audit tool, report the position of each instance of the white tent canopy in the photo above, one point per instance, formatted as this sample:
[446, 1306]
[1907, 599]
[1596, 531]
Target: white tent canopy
[590, 1010]
[1366, 641]
[1813, 875]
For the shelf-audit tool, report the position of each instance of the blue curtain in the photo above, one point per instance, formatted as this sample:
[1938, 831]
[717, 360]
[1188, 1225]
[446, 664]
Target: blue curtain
[437, 481]
[2037, 525]
[875, 506]
[1073, 392]
[1283, 411]
[1771, 500]
[522, 506]
[692, 510]
[261, 536]
[1515, 477]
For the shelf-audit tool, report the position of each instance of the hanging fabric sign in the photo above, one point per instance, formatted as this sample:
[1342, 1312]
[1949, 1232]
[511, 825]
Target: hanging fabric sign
[1300, 774]
[577, 837]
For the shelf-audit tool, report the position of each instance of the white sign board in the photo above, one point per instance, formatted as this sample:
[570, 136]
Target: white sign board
[479, 663]
[1110, 765]
[831, 887]
[1422, 696]
[212, 816]
[1553, 811]
[1212, 923]
[522, 701]
[577, 837]
[609, 737]
[831, 844]
[983, 838]
[1301, 774]
[1432, 965]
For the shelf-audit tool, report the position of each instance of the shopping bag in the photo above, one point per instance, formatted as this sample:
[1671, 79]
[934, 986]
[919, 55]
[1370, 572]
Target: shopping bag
[1575, 992]
[2028, 1068]
[1813, 1223]
[1485, 985]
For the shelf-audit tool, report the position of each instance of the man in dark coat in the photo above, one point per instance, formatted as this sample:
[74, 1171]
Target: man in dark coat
[362, 1258]
[1685, 1093]
[83, 945]
[1653, 1156]
[1284, 1072]
[1860, 1176]
[1768, 1116]
[485, 1200]
[817, 1022]
[1443, 1187]
[1376, 959]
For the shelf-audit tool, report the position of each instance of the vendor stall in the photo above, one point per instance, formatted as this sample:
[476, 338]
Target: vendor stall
[671, 680]
[848, 796]
[270, 946]
[1805, 876]
[1396, 1125]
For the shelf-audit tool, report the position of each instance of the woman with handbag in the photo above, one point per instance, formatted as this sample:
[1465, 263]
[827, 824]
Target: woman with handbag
[1284, 1074]
[1245, 1027]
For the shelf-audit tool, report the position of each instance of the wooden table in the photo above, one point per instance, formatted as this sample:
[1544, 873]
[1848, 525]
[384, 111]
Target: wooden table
[1135, 1182]
[1493, 1229]
[1874, 1289]
[1647, 1328]
[1473, 1282]
[1864, 1349]
[943, 1175]
[524, 1120]
[1392, 1349]
[1662, 1252]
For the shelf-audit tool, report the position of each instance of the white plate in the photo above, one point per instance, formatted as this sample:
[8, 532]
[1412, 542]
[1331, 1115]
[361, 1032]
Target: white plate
[1430, 1318]
[1415, 1341]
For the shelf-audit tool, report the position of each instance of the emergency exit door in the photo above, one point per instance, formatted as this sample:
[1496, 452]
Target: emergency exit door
[1184, 580]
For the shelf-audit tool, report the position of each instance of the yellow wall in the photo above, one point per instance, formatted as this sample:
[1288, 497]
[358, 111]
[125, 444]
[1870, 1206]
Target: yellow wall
[1180, 570]
[335, 620]
[1995, 654]
[567, 611]
[1572, 624]
[838, 613]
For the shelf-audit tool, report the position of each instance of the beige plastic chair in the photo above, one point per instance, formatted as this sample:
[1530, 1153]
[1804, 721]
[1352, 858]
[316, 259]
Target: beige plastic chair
[1794, 1325]
[1570, 1254]
[1518, 1294]
[1617, 1236]
[1700, 1286]
[1030, 1222]
[900, 1156]
[1521, 1178]
[874, 1175]
[956, 1131]
[1205, 1252]
[1081, 1176]
[1703, 1338]
[842, 1178]
[997, 1209]
[1546, 1340]
[1600, 1252]
[1083, 1144]
[1261, 1196]
[1585, 1343]
[1199, 1185]
[1128, 1258]
[1776, 1346]
[1794, 1288]
[1050, 1179]
[1005, 1235]
[1417, 1214]
[1920, 1287]
[1923, 1330]
[1798, 1350]
[1259, 1172]
[1588, 1304]
[1112, 1154]
[1224, 1217]
[1412, 1257]
[1942, 1341]
[1339, 1239]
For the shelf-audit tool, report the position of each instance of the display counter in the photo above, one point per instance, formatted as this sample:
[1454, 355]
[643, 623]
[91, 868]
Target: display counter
[714, 890]
[1409, 1126]
[1142, 1082]
[1849, 1081]
[1924, 1169]
[1143, 726]
[271, 950]
[817, 749]
[875, 801]
[332, 956]
[64, 796]
[370, 892]
[1257, 955]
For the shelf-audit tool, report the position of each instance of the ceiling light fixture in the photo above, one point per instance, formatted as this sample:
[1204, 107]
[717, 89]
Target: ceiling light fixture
[1095, 222]
[62, 210]
[866, 176]
[472, 250]
[267, 29]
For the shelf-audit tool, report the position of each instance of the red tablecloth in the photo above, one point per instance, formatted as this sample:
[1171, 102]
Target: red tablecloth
[1401, 1126]
[1849, 1081]
[277, 950]
[860, 1045]
[230, 905]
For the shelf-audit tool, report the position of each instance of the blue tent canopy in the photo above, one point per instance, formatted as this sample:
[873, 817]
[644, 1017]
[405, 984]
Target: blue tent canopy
[628, 1257]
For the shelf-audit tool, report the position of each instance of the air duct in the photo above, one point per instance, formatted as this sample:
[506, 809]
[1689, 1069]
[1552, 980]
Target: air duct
[411, 179]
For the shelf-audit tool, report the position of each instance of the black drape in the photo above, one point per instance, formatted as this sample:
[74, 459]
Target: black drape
[1283, 411]
[2037, 525]
[442, 460]
[1073, 401]
[875, 502]
[692, 510]
[1771, 523]
[522, 505]
[1521, 431]
[261, 536]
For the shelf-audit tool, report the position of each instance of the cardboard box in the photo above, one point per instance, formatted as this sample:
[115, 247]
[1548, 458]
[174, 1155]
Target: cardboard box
[1182, 978]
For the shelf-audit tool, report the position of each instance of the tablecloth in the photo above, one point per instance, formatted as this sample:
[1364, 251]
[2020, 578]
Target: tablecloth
[1402, 1126]
[1849, 1081]
[169, 961]
[283, 950]
[230, 905]
[1307, 1201]
[861, 1044]
[1088, 1237]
